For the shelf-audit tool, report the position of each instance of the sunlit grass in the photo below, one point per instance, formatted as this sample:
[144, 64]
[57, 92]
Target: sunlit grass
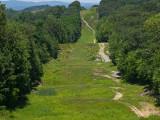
[87, 35]
[71, 91]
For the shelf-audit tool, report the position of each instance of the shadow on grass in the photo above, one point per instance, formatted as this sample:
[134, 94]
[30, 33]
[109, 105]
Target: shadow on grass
[20, 103]
[46, 92]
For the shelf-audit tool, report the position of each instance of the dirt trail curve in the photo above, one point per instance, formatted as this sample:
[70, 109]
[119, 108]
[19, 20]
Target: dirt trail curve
[134, 109]
[145, 111]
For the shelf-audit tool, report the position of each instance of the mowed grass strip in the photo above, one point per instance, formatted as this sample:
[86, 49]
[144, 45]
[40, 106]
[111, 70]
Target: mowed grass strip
[70, 90]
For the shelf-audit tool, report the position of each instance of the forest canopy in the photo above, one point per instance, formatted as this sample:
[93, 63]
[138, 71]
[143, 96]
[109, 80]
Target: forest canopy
[29, 39]
[132, 28]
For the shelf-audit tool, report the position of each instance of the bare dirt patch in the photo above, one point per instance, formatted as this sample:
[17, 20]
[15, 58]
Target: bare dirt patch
[101, 73]
[149, 109]
[145, 111]
[118, 96]
[116, 74]
[104, 57]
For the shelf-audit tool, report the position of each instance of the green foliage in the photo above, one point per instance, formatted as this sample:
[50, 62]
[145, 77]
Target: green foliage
[133, 30]
[2, 19]
[27, 40]
[152, 28]
[103, 30]
[15, 66]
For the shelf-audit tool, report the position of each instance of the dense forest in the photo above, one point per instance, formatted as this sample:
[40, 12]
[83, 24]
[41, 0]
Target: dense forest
[29, 39]
[74, 63]
[132, 28]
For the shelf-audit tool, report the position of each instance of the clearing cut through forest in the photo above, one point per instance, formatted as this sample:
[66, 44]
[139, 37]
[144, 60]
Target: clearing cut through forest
[105, 58]
[77, 86]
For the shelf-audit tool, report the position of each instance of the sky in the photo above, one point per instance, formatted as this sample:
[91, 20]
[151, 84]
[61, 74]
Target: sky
[91, 1]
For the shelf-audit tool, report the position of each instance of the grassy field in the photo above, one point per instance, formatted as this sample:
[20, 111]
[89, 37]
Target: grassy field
[87, 35]
[72, 89]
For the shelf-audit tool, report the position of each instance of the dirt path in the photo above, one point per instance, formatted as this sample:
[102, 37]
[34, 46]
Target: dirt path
[86, 23]
[147, 109]
[104, 57]
[118, 96]
[135, 110]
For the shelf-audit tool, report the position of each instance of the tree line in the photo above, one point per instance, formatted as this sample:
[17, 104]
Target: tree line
[29, 39]
[132, 28]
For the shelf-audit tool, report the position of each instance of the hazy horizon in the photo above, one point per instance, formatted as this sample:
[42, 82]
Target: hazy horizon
[84, 1]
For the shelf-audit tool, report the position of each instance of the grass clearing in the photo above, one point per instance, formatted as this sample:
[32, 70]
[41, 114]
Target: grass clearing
[87, 35]
[90, 16]
[71, 91]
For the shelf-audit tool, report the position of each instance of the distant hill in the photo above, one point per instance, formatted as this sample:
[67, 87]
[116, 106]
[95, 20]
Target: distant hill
[20, 5]
[35, 8]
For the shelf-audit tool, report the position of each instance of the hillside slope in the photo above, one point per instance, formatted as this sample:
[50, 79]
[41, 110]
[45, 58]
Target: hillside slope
[83, 88]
